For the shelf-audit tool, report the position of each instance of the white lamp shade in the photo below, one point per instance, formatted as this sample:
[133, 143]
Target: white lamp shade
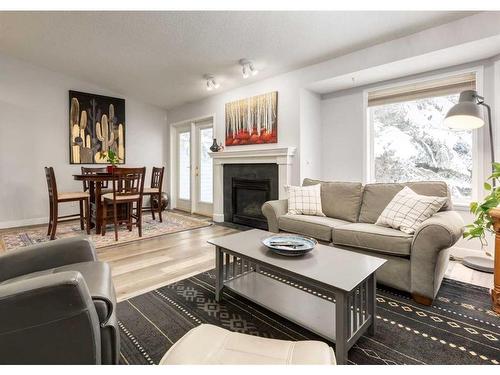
[466, 114]
[463, 122]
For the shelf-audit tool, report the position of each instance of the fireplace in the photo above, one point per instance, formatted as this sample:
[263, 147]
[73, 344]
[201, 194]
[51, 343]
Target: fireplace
[246, 188]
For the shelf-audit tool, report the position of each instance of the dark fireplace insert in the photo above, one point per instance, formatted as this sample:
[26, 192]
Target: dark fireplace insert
[246, 188]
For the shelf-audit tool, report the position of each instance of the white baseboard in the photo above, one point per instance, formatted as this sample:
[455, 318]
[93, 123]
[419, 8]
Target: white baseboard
[22, 223]
[218, 218]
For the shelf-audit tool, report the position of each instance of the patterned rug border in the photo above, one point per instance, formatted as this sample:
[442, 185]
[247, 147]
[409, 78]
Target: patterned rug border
[195, 223]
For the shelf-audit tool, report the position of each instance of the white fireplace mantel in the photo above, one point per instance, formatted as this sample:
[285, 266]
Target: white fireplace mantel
[282, 156]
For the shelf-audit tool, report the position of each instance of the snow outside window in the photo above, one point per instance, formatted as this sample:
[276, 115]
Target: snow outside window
[410, 143]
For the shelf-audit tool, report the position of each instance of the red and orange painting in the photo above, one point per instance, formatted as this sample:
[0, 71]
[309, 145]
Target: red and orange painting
[253, 120]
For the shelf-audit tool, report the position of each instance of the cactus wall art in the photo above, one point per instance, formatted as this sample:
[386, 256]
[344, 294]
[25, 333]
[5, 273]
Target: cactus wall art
[96, 125]
[252, 120]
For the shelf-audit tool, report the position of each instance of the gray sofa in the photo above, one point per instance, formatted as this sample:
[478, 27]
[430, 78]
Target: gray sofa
[57, 306]
[415, 263]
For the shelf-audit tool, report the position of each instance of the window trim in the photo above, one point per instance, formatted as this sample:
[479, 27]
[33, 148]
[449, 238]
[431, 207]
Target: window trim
[478, 173]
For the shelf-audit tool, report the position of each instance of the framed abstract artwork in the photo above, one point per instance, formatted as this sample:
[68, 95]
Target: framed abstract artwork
[252, 120]
[96, 126]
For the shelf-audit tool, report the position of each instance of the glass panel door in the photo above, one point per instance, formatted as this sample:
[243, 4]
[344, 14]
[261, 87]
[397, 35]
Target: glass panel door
[193, 167]
[203, 169]
[206, 174]
[184, 169]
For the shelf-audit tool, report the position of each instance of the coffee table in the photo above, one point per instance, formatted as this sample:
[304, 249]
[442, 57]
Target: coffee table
[329, 291]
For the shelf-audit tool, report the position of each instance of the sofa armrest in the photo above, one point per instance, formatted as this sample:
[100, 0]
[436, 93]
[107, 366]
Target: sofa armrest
[272, 210]
[55, 307]
[46, 255]
[428, 261]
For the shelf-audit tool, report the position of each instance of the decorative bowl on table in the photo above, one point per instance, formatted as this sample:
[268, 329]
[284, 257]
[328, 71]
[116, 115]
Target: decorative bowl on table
[290, 244]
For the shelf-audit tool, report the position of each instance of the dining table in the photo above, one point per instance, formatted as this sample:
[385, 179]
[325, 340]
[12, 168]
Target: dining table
[95, 182]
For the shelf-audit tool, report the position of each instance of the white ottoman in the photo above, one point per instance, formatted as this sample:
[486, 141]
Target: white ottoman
[208, 344]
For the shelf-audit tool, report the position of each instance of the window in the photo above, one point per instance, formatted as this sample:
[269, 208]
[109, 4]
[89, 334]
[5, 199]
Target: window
[409, 140]
[184, 165]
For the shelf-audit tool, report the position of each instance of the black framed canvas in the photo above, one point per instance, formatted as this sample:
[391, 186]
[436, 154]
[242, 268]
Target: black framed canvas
[96, 126]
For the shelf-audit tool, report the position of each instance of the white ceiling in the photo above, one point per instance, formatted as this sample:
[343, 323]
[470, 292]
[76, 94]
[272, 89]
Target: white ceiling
[160, 57]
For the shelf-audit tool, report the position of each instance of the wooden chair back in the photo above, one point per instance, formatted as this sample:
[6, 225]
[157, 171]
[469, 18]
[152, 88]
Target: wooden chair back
[157, 178]
[51, 185]
[90, 170]
[128, 182]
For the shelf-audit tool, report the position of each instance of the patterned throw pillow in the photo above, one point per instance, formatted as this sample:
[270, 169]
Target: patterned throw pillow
[407, 210]
[305, 200]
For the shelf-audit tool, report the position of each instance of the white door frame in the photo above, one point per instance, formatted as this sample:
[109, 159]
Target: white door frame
[175, 128]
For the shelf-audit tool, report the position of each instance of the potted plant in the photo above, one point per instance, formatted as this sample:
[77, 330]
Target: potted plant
[112, 158]
[483, 222]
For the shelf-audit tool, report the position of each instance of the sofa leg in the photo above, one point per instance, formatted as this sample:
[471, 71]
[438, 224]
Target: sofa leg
[422, 300]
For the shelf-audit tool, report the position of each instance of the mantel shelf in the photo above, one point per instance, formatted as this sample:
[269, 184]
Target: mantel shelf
[255, 153]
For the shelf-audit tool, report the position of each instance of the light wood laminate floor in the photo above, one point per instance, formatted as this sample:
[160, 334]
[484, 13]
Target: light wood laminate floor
[457, 271]
[147, 264]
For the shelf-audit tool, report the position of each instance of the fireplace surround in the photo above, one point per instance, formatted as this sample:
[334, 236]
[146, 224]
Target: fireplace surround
[246, 188]
[280, 156]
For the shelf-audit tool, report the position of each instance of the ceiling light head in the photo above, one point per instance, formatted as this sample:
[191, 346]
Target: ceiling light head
[247, 68]
[253, 70]
[211, 82]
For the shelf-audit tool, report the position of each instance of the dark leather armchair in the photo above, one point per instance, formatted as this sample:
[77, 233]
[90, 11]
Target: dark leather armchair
[57, 305]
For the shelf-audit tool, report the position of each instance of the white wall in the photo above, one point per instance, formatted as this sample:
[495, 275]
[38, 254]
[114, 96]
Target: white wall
[310, 137]
[342, 130]
[34, 133]
[288, 113]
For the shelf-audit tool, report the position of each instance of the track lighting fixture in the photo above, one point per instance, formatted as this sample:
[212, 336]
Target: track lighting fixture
[247, 68]
[211, 82]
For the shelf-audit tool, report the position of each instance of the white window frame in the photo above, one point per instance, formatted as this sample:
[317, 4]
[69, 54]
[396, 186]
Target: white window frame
[478, 173]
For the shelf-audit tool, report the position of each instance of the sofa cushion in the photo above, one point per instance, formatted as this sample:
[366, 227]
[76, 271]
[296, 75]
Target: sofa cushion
[377, 196]
[340, 200]
[373, 238]
[407, 210]
[304, 200]
[313, 226]
[97, 276]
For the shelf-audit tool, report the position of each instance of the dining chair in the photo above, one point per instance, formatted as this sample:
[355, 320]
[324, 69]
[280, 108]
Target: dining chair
[55, 198]
[155, 190]
[128, 188]
[90, 170]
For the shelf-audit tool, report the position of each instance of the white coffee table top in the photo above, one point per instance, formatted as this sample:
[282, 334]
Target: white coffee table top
[339, 268]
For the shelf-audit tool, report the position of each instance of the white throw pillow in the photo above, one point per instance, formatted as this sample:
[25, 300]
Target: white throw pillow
[304, 200]
[407, 210]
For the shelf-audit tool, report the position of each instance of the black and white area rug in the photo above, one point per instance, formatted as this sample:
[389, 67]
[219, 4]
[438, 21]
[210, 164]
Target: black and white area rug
[459, 328]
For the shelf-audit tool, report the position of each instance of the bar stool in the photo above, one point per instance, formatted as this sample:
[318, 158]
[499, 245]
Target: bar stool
[55, 198]
[90, 170]
[128, 188]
